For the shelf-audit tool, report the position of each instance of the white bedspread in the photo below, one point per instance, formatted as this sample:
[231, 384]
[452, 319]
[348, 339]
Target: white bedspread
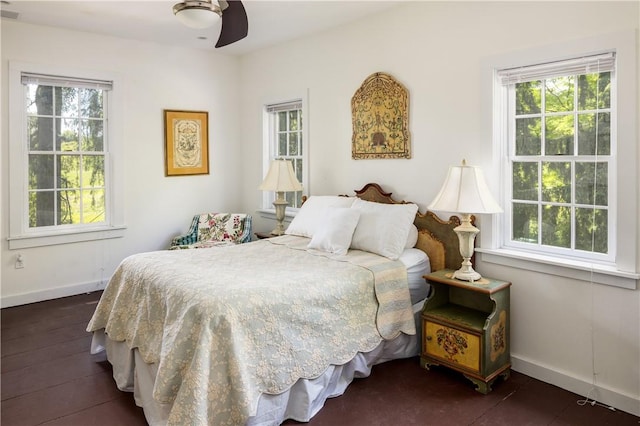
[225, 325]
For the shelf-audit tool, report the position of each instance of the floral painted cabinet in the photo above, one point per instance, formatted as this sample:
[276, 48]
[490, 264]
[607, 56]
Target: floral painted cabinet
[465, 326]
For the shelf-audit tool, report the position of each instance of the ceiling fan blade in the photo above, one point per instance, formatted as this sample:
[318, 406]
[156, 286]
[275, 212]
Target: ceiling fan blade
[235, 25]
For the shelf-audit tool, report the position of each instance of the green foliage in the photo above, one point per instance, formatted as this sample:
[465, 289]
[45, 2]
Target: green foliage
[528, 136]
[525, 181]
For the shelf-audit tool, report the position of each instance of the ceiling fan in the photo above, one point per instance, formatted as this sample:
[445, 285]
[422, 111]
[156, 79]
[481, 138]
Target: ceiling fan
[205, 13]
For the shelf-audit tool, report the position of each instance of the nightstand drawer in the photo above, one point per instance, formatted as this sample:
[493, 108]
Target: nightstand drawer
[451, 346]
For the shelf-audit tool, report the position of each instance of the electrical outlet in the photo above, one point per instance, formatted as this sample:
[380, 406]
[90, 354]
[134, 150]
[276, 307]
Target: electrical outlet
[19, 261]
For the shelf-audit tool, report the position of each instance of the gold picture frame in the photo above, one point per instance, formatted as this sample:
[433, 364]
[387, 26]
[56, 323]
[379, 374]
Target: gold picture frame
[380, 116]
[186, 142]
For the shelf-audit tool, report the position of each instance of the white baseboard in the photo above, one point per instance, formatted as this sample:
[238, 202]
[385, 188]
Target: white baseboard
[52, 293]
[604, 395]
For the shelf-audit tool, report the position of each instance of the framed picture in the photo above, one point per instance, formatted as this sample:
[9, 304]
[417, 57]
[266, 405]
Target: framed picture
[186, 142]
[380, 116]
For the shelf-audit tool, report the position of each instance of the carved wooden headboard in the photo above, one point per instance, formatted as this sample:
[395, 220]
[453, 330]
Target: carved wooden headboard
[435, 236]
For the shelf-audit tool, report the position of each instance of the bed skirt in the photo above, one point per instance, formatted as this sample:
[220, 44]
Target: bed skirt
[300, 402]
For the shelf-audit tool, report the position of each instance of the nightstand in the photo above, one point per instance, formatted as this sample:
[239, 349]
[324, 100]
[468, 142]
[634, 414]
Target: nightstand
[465, 326]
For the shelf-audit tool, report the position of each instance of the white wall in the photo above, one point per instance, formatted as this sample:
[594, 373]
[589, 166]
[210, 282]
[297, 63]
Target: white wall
[156, 77]
[563, 331]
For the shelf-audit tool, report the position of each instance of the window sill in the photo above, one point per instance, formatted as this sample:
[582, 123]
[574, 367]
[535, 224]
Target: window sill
[585, 271]
[76, 236]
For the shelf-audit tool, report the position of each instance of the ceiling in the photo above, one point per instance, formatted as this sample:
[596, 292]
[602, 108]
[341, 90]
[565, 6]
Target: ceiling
[270, 22]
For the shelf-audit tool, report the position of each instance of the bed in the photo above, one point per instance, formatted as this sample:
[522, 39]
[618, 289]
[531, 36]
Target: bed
[266, 331]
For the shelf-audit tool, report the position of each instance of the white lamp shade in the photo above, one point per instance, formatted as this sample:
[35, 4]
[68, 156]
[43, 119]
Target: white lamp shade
[280, 178]
[465, 191]
[196, 17]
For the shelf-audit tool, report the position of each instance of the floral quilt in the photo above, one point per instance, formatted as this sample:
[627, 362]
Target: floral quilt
[226, 325]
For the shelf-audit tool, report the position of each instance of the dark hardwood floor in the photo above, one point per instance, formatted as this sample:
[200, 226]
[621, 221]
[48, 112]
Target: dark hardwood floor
[49, 378]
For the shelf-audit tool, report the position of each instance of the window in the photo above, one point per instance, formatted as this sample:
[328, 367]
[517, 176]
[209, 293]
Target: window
[60, 156]
[66, 142]
[285, 130]
[568, 173]
[561, 150]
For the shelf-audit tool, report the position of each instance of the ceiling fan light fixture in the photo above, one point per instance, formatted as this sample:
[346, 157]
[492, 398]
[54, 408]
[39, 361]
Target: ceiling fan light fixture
[197, 14]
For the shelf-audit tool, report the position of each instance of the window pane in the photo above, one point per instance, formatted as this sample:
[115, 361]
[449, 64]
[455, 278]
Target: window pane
[300, 145]
[282, 121]
[556, 182]
[67, 135]
[93, 206]
[68, 171]
[67, 101]
[41, 171]
[90, 103]
[39, 99]
[559, 94]
[282, 144]
[41, 209]
[592, 230]
[559, 135]
[556, 226]
[589, 138]
[68, 207]
[525, 181]
[93, 171]
[528, 97]
[297, 164]
[40, 131]
[525, 223]
[293, 121]
[590, 183]
[528, 136]
[293, 144]
[594, 91]
[91, 137]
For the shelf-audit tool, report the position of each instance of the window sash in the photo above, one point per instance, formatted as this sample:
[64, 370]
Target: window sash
[508, 79]
[60, 82]
[294, 198]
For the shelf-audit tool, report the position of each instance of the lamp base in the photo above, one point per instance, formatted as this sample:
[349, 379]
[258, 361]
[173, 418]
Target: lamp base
[466, 275]
[280, 205]
[466, 236]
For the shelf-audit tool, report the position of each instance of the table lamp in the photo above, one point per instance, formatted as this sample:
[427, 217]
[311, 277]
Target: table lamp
[280, 178]
[465, 192]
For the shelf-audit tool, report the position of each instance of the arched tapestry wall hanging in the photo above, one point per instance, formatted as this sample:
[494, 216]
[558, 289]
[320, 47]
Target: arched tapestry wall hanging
[380, 115]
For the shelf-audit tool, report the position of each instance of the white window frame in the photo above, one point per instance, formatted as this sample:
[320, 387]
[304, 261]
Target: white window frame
[20, 234]
[269, 149]
[571, 67]
[622, 271]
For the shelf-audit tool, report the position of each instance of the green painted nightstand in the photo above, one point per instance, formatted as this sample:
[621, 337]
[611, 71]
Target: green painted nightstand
[465, 326]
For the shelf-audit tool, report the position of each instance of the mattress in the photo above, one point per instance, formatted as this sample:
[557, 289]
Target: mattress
[417, 263]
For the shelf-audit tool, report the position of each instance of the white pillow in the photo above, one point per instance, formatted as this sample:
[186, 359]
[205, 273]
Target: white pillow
[335, 231]
[312, 212]
[383, 228]
[412, 238]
